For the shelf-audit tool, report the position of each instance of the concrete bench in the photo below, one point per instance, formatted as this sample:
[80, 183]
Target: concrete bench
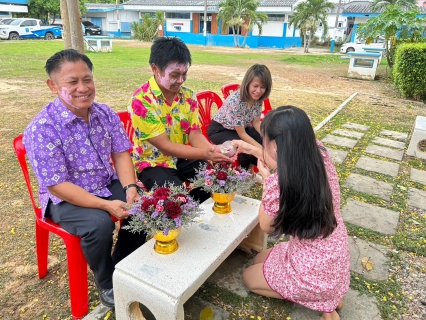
[98, 43]
[380, 50]
[418, 139]
[363, 65]
[163, 283]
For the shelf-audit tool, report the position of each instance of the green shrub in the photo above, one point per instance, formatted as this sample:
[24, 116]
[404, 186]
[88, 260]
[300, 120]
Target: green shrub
[409, 70]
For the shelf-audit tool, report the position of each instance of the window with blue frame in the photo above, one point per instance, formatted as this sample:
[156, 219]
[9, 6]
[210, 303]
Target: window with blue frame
[178, 15]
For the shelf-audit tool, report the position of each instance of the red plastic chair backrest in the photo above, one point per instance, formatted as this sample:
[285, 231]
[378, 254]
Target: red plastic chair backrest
[21, 155]
[227, 89]
[127, 123]
[206, 101]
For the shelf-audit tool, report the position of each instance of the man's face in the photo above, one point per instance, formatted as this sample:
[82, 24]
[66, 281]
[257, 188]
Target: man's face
[73, 83]
[172, 77]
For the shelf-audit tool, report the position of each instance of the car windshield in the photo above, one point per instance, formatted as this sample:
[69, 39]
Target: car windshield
[88, 23]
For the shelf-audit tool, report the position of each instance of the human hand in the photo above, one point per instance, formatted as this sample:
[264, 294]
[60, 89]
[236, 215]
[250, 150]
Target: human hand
[263, 169]
[117, 209]
[132, 195]
[244, 147]
[213, 154]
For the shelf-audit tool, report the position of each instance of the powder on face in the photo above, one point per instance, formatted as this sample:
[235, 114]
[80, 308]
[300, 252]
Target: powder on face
[174, 75]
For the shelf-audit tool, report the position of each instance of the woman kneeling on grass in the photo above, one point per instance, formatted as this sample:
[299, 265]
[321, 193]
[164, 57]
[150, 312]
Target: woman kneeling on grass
[300, 199]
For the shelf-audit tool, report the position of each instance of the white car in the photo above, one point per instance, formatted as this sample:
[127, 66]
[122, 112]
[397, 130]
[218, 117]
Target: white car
[359, 44]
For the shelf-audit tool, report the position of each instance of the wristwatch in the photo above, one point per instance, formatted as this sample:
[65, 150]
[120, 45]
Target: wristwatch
[132, 185]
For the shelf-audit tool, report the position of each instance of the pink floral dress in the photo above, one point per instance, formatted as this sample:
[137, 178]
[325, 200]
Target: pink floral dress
[313, 273]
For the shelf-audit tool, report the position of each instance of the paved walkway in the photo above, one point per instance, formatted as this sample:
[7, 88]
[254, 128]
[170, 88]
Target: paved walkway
[385, 153]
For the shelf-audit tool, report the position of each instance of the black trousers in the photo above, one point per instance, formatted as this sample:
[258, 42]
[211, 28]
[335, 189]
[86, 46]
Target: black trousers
[95, 228]
[185, 170]
[218, 134]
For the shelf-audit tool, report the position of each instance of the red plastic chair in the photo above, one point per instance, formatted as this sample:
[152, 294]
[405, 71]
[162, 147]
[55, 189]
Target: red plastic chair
[227, 89]
[77, 265]
[127, 123]
[206, 101]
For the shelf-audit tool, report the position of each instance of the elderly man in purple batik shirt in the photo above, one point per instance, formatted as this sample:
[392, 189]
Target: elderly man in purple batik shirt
[70, 144]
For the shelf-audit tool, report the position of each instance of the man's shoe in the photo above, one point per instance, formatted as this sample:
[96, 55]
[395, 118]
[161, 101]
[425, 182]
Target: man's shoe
[107, 297]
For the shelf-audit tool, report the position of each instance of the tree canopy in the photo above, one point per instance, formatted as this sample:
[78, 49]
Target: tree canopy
[49, 10]
[381, 5]
[241, 13]
[309, 14]
[395, 25]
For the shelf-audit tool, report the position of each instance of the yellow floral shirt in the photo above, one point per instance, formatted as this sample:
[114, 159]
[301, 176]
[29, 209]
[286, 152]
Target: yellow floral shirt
[152, 115]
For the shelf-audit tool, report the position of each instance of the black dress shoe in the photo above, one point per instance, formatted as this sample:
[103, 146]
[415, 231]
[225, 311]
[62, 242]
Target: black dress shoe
[107, 297]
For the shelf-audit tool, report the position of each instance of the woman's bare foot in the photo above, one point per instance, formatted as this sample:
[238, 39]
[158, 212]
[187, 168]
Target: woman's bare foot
[330, 316]
[340, 305]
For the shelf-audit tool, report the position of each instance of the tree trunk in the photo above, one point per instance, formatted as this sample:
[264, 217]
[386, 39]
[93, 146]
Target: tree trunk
[65, 25]
[309, 42]
[305, 42]
[235, 37]
[76, 31]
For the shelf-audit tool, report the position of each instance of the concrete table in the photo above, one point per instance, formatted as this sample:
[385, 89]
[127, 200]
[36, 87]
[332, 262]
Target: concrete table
[418, 139]
[163, 283]
[363, 65]
[98, 43]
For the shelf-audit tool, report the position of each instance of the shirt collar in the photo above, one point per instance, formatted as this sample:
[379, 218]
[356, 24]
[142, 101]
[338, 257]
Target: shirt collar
[66, 115]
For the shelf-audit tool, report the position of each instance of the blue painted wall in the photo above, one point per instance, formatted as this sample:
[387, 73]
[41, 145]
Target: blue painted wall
[14, 1]
[228, 40]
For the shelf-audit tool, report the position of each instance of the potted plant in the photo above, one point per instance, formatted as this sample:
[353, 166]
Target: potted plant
[161, 213]
[223, 181]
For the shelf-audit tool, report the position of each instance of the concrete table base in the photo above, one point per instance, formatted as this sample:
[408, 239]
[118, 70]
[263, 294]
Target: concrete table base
[163, 283]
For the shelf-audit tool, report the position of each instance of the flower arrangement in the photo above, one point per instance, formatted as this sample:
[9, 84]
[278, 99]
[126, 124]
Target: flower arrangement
[222, 177]
[163, 209]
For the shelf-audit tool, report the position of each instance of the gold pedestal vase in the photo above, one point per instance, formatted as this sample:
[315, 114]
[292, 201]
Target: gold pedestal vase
[166, 244]
[222, 202]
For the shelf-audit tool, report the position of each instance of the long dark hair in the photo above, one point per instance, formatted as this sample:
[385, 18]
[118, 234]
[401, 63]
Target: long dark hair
[306, 203]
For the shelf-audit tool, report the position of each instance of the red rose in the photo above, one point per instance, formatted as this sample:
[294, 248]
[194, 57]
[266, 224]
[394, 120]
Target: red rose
[224, 164]
[147, 204]
[162, 193]
[209, 166]
[181, 198]
[221, 175]
[173, 209]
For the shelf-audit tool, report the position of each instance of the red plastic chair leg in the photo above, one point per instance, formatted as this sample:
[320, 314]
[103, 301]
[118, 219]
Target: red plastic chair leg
[77, 275]
[42, 244]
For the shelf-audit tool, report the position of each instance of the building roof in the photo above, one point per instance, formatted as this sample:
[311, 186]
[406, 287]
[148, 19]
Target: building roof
[263, 3]
[364, 7]
[102, 7]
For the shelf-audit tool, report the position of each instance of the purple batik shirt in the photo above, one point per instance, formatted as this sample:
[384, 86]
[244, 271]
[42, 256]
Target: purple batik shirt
[62, 147]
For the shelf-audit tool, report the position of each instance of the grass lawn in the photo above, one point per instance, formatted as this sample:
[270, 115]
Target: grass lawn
[315, 82]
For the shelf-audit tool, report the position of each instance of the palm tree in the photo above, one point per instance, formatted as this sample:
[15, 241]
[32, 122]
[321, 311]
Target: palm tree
[241, 13]
[147, 30]
[380, 5]
[308, 16]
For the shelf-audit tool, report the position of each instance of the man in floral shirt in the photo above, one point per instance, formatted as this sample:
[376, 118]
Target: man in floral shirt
[168, 143]
[70, 144]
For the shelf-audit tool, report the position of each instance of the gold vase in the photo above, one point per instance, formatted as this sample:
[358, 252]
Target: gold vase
[166, 244]
[222, 202]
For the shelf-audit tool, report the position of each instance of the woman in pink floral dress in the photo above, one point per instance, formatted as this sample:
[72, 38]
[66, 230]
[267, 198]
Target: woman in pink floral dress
[302, 200]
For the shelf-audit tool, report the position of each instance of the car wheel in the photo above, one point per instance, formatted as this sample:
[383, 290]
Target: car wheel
[49, 36]
[87, 33]
[350, 49]
[13, 36]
